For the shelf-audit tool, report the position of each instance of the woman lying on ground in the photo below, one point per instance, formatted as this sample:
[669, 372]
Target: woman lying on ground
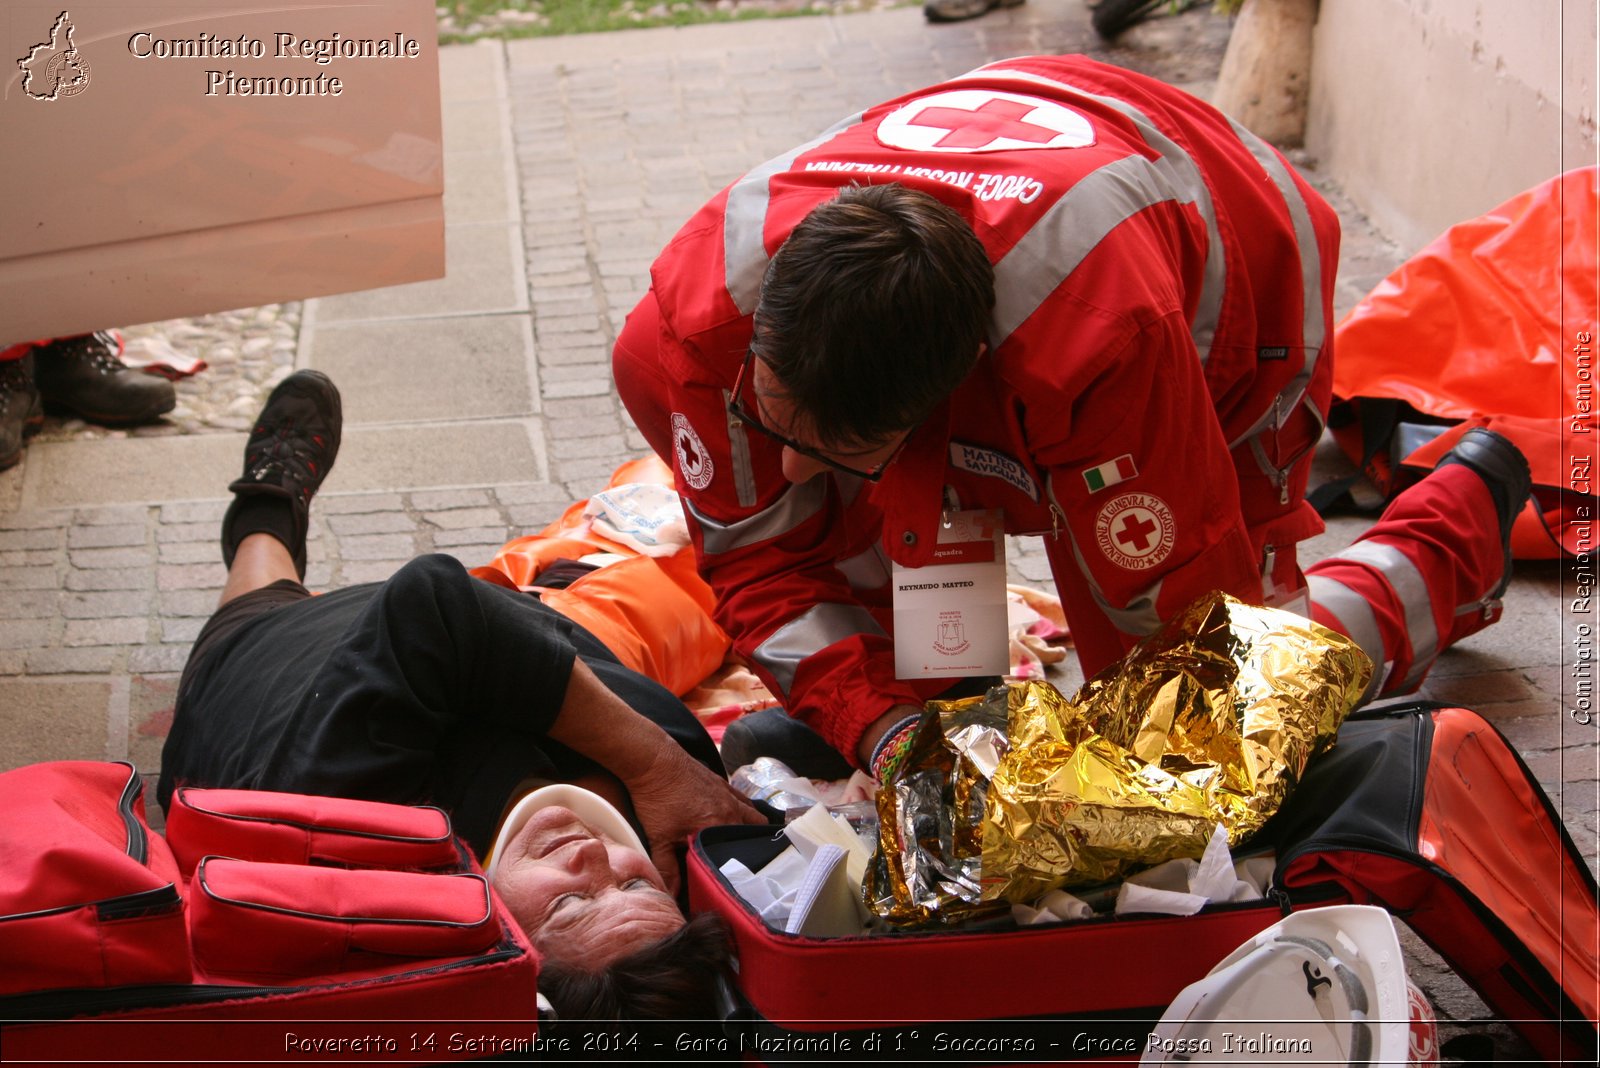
[435, 687]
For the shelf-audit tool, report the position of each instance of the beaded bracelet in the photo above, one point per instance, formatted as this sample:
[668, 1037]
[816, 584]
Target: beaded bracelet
[893, 748]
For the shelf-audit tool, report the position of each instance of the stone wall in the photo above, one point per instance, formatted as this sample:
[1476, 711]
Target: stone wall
[1429, 112]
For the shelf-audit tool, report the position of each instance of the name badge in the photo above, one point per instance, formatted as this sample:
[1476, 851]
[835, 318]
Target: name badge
[950, 616]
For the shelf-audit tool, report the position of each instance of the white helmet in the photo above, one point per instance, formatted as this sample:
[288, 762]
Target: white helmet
[1325, 985]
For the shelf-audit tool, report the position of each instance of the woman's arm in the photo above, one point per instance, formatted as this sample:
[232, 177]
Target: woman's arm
[673, 794]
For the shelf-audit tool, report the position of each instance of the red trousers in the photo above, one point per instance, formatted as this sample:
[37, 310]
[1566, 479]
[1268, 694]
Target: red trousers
[1419, 580]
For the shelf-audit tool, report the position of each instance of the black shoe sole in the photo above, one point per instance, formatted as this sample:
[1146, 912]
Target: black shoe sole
[146, 415]
[330, 393]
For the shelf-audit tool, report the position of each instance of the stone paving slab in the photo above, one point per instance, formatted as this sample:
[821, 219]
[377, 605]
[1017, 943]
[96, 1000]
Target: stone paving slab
[427, 370]
[438, 455]
[66, 475]
[479, 188]
[475, 125]
[471, 72]
[54, 719]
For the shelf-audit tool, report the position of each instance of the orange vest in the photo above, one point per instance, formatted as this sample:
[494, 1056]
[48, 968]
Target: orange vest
[653, 612]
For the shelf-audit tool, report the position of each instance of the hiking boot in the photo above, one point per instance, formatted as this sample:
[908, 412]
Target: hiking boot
[291, 449]
[85, 375]
[1504, 470]
[958, 10]
[21, 411]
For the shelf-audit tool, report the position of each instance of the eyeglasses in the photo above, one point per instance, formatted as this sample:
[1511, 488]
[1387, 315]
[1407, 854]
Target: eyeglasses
[747, 417]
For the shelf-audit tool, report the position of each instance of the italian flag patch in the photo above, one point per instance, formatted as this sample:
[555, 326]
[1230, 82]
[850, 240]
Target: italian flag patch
[1110, 473]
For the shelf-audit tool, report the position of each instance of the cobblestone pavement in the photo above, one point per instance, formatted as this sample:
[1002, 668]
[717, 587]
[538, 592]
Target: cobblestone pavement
[479, 406]
[518, 15]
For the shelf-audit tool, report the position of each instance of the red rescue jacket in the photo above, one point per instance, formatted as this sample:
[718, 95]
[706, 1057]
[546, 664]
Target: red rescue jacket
[1157, 371]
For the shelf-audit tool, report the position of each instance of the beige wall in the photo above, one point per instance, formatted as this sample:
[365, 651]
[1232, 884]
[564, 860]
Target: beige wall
[1429, 112]
[151, 189]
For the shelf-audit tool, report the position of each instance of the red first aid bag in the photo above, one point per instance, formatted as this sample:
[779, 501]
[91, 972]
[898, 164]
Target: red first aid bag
[310, 926]
[296, 829]
[91, 897]
[290, 921]
[1422, 809]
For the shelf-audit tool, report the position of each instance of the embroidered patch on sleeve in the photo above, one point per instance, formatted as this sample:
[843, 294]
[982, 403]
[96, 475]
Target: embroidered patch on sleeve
[1135, 531]
[993, 464]
[693, 460]
[1110, 473]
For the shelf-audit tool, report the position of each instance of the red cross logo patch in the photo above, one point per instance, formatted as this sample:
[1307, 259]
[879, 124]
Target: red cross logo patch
[982, 120]
[693, 460]
[1135, 530]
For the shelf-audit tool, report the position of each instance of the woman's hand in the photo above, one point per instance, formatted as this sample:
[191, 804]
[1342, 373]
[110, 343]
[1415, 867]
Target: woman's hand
[674, 797]
[673, 794]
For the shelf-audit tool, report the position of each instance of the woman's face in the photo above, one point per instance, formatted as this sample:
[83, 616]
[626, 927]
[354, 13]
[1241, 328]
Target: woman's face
[582, 899]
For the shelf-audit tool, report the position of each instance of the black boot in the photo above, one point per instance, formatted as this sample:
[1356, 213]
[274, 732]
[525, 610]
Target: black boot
[84, 375]
[21, 411]
[1504, 470]
[290, 451]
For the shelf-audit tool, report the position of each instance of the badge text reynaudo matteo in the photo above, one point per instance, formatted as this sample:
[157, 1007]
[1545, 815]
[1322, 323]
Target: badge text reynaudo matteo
[320, 51]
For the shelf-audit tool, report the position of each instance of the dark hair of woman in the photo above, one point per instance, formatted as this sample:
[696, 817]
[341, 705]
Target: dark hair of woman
[672, 979]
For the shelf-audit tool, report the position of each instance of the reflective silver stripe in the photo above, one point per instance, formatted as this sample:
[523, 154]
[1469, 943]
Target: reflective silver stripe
[865, 571]
[744, 221]
[744, 476]
[1412, 591]
[1054, 247]
[1313, 330]
[798, 504]
[1138, 616]
[811, 632]
[1354, 613]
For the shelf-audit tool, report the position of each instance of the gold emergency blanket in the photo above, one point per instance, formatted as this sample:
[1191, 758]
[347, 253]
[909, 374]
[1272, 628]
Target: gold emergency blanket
[1209, 720]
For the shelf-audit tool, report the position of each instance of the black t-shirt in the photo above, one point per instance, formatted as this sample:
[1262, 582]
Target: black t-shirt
[431, 687]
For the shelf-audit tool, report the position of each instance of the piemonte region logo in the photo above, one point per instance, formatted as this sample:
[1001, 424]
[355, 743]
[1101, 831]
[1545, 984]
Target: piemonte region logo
[55, 69]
